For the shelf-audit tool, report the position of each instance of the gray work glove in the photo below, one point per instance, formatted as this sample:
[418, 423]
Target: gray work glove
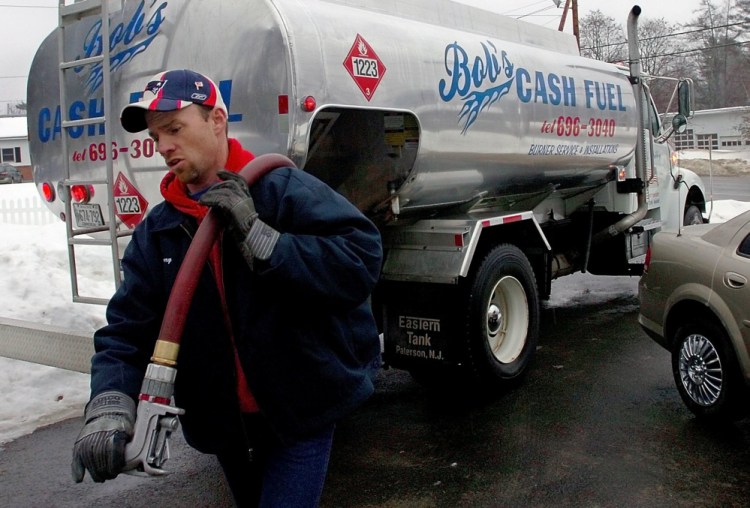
[231, 199]
[100, 447]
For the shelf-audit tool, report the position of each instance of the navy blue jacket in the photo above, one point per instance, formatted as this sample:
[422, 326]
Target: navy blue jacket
[302, 321]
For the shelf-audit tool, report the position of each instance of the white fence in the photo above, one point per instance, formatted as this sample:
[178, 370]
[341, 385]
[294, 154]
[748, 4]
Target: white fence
[29, 211]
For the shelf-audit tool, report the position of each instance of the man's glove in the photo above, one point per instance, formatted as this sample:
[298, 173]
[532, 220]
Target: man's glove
[100, 447]
[231, 199]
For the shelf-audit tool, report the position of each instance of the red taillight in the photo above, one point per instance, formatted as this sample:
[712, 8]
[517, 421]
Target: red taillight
[81, 193]
[647, 261]
[48, 192]
[309, 104]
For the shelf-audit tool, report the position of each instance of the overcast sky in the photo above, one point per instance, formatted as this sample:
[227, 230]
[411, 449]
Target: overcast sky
[25, 23]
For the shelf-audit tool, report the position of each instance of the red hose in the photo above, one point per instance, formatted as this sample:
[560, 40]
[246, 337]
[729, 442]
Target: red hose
[183, 290]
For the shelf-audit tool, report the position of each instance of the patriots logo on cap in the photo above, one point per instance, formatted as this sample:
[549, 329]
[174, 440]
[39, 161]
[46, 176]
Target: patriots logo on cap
[198, 85]
[155, 86]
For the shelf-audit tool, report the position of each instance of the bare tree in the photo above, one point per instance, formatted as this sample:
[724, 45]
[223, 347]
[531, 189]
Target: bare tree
[713, 49]
[722, 55]
[660, 49]
[741, 14]
[744, 127]
[602, 38]
[740, 19]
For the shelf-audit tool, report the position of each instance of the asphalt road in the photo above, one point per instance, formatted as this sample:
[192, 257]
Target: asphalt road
[728, 187]
[595, 422]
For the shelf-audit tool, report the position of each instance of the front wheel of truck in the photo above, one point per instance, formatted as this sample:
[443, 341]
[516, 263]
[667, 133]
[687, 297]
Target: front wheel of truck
[502, 307]
[692, 216]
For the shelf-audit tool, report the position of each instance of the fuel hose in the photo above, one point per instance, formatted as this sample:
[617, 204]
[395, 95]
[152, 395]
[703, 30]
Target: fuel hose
[156, 419]
[168, 344]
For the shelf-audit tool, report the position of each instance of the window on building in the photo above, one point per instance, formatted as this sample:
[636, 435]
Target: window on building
[11, 154]
[684, 140]
[706, 141]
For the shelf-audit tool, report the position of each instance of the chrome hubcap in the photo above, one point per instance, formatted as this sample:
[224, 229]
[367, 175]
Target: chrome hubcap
[700, 370]
[507, 319]
[494, 320]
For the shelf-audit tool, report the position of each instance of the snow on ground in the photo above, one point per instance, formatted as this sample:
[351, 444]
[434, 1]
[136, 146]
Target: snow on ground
[35, 285]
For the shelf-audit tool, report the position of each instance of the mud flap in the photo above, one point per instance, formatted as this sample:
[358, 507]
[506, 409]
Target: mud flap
[421, 325]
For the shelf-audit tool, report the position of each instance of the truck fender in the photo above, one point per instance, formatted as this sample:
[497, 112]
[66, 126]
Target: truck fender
[442, 250]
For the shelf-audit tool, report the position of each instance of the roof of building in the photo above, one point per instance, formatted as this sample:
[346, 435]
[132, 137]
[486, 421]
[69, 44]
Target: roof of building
[13, 127]
[729, 110]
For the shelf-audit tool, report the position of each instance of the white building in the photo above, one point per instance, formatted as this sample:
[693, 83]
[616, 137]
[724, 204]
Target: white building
[715, 129]
[14, 144]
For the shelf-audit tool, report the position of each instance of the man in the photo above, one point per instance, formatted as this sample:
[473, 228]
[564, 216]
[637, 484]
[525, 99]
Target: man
[280, 341]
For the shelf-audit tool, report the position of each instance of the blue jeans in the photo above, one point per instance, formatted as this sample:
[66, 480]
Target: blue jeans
[275, 474]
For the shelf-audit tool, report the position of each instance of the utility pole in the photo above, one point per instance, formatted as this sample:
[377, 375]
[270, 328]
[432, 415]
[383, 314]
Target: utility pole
[575, 18]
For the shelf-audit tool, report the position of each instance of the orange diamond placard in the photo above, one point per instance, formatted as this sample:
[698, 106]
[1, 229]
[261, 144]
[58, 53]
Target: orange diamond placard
[364, 66]
[130, 205]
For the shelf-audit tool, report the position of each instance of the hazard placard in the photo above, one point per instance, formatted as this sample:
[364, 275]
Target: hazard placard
[364, 66]
[130, 205]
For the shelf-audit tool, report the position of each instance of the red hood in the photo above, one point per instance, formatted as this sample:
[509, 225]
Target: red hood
[176, 192]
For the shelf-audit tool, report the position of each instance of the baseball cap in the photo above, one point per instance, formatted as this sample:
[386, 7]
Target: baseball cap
[169, 91]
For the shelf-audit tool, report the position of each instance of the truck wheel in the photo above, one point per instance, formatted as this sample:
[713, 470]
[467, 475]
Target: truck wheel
[706, 372]
[503, 315]
[692, 216]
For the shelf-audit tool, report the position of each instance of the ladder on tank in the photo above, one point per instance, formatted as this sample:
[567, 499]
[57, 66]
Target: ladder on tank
[79, 236]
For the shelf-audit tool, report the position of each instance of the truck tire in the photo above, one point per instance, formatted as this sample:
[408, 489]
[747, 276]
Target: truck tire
[502, 308]
[692, 216]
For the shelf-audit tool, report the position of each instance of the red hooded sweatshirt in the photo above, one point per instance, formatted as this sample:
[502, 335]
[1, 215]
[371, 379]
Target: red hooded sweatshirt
[177, 193]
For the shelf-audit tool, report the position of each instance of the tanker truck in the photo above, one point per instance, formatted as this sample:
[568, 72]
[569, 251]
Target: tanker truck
[491, 155]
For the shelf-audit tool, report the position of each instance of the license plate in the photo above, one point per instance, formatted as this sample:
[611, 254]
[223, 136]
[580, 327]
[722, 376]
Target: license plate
[88, 215]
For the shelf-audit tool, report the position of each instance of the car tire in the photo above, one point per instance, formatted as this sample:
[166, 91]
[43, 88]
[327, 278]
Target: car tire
[692, 216]
[707, 374]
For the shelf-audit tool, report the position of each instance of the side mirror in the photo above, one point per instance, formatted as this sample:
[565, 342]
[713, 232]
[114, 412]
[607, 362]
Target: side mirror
[684, 99]
[679, 123]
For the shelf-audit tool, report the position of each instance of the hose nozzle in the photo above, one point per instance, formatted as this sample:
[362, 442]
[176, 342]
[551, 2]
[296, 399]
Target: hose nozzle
[147, 452]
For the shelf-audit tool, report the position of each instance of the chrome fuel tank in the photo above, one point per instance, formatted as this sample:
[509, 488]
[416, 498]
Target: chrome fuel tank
[437, 102]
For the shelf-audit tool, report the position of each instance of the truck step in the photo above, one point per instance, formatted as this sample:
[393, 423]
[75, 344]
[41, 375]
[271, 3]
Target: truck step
[646, 225]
